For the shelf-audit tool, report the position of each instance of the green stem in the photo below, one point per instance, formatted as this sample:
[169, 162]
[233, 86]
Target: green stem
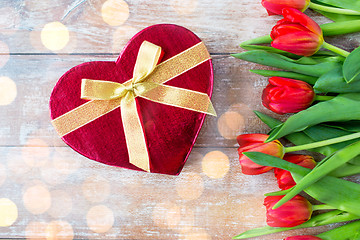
[335, 49]
[322, 207]
[338, 28]
[323, 143]
[333, 9]
[258, 40]
[278, 193]
[323, 98]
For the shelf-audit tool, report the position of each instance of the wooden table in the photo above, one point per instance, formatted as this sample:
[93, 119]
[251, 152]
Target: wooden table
[52, 192]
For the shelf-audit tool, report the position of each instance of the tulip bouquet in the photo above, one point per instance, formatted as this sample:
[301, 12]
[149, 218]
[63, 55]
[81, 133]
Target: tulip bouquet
[321, 89]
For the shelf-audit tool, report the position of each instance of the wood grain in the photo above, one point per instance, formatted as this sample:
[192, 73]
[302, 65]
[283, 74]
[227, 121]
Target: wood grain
[61, 194]
[34, 87]
[216, 208]
[222, 25]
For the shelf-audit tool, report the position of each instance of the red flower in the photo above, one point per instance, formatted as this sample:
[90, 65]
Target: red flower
[292, 213]
[303, 237]
[275, 7]
[284, 178]
[297, 33]
[285, 95]
[255, 143]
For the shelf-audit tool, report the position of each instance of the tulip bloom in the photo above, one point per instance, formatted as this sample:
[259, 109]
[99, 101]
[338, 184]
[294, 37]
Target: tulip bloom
[284, 178]
[285, 95]
[292, 213]
[297, 33]
[255, 143]
[275, 7]
[303, 237]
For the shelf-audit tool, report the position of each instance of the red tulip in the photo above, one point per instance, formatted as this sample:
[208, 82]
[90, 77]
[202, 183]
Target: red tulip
[284, 178]
[255, 143]
[303, 237]
[297, 33]
[292, 213]
[275, 7]
[285, 95]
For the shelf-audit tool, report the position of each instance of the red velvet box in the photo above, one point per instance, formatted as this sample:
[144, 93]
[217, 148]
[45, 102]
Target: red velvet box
[170, 132]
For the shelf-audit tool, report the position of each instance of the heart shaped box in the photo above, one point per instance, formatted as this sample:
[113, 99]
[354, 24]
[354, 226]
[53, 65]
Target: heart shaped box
[170, 132]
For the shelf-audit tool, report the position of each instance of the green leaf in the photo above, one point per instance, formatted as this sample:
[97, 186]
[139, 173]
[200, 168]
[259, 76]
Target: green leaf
[270, 49]
[336, 192]
[348, 169]
[331, 217]
[351, 67]
[349, 126]
[271, 73]
[346, 232]
[339, 17]
[334, 82]
[318, 133]
[347, 4]
[280, 61]
[322, 169]
[343, 107]
[310, 135]
[321, 132]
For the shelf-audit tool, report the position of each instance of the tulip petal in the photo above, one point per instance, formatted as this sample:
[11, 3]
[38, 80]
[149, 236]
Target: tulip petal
[281, 81]
[303, 237]
[284, 95]
[294, 212]
[244, 139]
[276, 6]
[285, 28]
[300, 43]
[295, 16]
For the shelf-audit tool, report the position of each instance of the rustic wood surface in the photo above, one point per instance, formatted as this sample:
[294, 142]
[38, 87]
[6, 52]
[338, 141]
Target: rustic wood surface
[56, 193]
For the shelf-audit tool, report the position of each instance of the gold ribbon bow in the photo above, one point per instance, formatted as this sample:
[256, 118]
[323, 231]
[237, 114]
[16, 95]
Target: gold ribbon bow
[147, 82]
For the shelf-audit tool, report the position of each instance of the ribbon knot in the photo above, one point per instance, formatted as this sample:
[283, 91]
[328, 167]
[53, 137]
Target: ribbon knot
[147, 82]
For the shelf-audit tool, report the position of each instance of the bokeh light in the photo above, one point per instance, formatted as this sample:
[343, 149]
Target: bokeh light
[198, 234]
[189, 186]
[187, 220]
[96, 188]
[61, 204]
[51, 175]
[121, 36]
[115, 12]
[37, 199]
[8, 90]
[215, 164]
[36, 230]
[55, 36]
[230, 124]
[163, 211]
[8, 212]
[36, 152]
[59, 230]
[65, 163]
[100, 219]
[16, 167]
[184, 7]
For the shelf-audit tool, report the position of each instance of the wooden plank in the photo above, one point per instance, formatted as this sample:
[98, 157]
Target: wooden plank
[26, 120]
[222, 24]
[54, 186]
[90, 33]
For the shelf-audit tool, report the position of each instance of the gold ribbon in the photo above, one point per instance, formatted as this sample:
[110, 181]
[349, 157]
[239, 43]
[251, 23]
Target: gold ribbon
[147, 82]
